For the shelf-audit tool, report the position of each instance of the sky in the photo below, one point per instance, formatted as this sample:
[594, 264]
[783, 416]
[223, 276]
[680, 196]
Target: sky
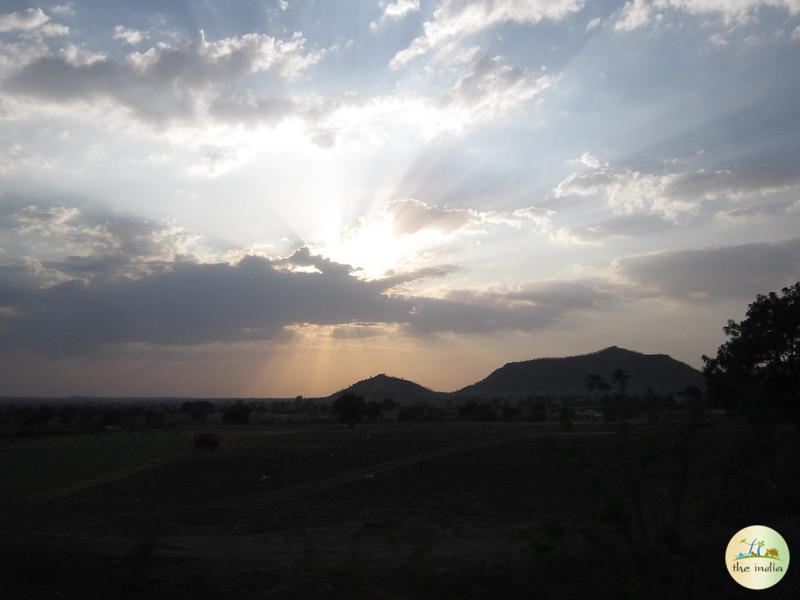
[281, 197]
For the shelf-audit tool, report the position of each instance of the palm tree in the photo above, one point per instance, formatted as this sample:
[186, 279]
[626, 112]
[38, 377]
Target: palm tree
[760, 545]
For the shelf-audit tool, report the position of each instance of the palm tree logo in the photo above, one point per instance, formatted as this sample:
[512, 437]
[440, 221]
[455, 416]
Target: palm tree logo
[758, 545]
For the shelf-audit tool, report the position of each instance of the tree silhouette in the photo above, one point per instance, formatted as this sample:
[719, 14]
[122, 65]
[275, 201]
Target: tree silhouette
[595, 383]
[758, 368]
[373, 410]
[620, 377]
[349, 408]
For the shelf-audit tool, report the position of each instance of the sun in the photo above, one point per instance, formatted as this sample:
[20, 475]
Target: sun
[374, 247]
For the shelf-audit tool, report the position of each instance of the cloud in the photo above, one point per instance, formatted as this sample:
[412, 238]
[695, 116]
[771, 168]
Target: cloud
[51, 30]
[594, 24]
[637, 13]
[64, 10]
[395, 11]
[410, 216]
[717, 273]
[755, 213]
[24, 20]
[492, 88]
[70, 243]
[129, 36]
[101, 280]
[15, 157]
[620, 226]
[32, 23]
[527, 308]
[675, 197]
[457, 19]
[627, 191]
[192, 304]
[164, 83]
[634, 14]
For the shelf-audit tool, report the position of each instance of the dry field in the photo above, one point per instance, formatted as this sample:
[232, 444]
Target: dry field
[392, 510]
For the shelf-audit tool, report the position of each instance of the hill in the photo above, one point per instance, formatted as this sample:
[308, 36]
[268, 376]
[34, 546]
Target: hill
[383, 386]
[562, 376]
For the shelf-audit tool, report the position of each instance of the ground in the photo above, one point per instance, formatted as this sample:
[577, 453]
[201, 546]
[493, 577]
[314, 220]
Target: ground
[393, 510]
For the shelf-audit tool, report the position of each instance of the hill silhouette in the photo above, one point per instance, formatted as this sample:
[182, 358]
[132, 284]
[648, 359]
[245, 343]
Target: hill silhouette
[560, 376]
[384, 386]
[546, 376]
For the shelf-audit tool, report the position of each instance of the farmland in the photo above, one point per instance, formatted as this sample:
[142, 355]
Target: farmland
[387, 509]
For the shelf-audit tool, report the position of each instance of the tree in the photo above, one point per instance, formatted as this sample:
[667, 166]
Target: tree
[620, 377]
[198, 410]
[595, 383]
[758, 369]
[374, 410]
[349, 408]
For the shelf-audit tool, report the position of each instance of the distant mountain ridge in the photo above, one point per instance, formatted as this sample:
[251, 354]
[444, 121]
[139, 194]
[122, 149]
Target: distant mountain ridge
[547, 376]
[560, 376]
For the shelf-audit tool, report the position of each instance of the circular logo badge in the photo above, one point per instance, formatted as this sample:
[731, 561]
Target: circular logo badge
[757, 557]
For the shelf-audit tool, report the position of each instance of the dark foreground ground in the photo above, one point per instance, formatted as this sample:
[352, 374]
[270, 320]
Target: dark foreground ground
[449, 510]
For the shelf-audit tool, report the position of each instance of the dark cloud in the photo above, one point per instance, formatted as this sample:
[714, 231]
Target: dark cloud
[189, 304]
[302, 257]
[168, 83]
[721, 273]
[192, 304]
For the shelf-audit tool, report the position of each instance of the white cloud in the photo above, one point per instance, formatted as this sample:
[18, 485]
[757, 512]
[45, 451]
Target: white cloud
[400, 8]
[626, 191]
[717, 39]
[283, 4]
[64, 10]
[24, 20]
[129, 36]
[492, 88]
[594, 24]
[488, 91]
[637, 13]
[634, 14]
[395, 11]
[52, 30]
[457, 19]
[410, 216]
[674, 196]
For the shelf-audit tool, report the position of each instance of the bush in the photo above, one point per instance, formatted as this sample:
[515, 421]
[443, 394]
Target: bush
[237, 414]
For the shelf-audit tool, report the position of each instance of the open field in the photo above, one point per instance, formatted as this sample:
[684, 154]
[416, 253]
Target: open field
[392, 510]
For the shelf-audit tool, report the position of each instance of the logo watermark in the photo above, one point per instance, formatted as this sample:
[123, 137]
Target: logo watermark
[757, 557]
